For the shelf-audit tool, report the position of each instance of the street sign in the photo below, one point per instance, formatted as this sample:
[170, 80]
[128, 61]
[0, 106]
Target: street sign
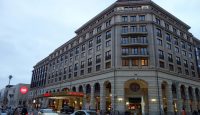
[23, 90]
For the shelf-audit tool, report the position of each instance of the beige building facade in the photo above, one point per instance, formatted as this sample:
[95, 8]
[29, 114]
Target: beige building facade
[134, 57]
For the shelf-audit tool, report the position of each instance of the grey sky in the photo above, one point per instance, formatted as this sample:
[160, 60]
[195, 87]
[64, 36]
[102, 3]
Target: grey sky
[31, 29]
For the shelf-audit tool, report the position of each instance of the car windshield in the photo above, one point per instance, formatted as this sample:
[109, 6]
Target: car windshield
[47, 111]
[92, 113]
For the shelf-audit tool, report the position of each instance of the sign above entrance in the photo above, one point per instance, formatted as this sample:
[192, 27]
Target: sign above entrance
[57, 94]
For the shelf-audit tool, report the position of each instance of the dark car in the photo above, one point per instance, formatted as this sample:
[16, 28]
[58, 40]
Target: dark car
[67, 109]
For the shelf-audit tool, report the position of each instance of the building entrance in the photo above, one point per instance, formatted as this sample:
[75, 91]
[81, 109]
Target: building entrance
[135, 107]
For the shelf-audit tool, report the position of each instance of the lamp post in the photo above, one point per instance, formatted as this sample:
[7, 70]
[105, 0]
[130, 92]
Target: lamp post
[9, 77]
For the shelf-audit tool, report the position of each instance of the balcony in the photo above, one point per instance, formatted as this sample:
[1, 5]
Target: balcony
[134, 31]
[138, 54]
[108, 57]
[178, 62]
[170, 59]
[135, 43]
[161, 56]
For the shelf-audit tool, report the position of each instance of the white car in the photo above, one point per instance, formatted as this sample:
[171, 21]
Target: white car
[84, 112]
[47, 112]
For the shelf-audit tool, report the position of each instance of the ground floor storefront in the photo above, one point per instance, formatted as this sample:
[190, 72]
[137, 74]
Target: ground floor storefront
[130, 93]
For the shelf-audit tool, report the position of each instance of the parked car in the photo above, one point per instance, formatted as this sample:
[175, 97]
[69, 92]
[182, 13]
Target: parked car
[84, 112]
[47, 112]
[67, 109]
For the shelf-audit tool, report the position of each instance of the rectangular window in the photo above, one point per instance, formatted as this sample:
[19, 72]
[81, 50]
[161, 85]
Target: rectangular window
[168, 37]
[75, 74]
[143, 51]
[90, 51]
[193, 74]
[171, 67]
[184, 53]
[179, 70]
[83, 47]
[82, 72]
[76, 67]
[159, 42]
[141, 17]
[176, 49]
[161, 54]
[98, 58]
[158, 21]
[124, 29]
[108, 23]
[108, 55]
[176, 41]
[99, 29]
[135, 62]
[158, 32]
[186, 72]
[108, 34]
[124, 18]
[183, 45]
[178, 60]
[108, 65]
[90, 43]
[98, 67]
[142, 28]
[125, 62]
[144, 62]
[82, 54]
[185, 63]
[162, 64]
[98, 48]
[168, 46]
[82, 64]
[170, 58]
[167, 26]
[192, 65]
[108, 43]
[89, 61]
[133, 18]
[132, 29]
[89, 69]
[125, 51]
[98, 40]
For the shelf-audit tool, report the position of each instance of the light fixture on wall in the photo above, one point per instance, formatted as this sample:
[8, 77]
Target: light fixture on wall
[153, 100]
[127, 103]
[120, 99]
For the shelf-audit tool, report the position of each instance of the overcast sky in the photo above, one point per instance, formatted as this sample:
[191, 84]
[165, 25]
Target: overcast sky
[31, 29]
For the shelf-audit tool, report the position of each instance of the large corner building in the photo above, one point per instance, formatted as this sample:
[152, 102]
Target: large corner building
[132, 57]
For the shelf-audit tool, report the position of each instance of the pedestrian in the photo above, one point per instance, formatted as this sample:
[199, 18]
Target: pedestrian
[24, 111]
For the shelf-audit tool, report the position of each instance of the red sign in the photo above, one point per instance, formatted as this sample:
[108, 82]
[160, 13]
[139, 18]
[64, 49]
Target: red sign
[47, 95]
[23, 90]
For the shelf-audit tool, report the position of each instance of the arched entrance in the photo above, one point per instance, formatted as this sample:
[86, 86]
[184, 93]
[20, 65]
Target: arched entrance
[136, 96]
[88, 95]
[190, 91]
[108, 94]
[197, 93]
[97, 96]
[174, 95]
[164, 87]
[183, 97]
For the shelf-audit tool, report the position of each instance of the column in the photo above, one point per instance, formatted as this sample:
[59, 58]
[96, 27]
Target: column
[92, 98]
[154, 108]
[84, 98]
[102, 98]
[170, 109]
[194, 104]
[187, 101]
[179, 99]
[120, 98]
